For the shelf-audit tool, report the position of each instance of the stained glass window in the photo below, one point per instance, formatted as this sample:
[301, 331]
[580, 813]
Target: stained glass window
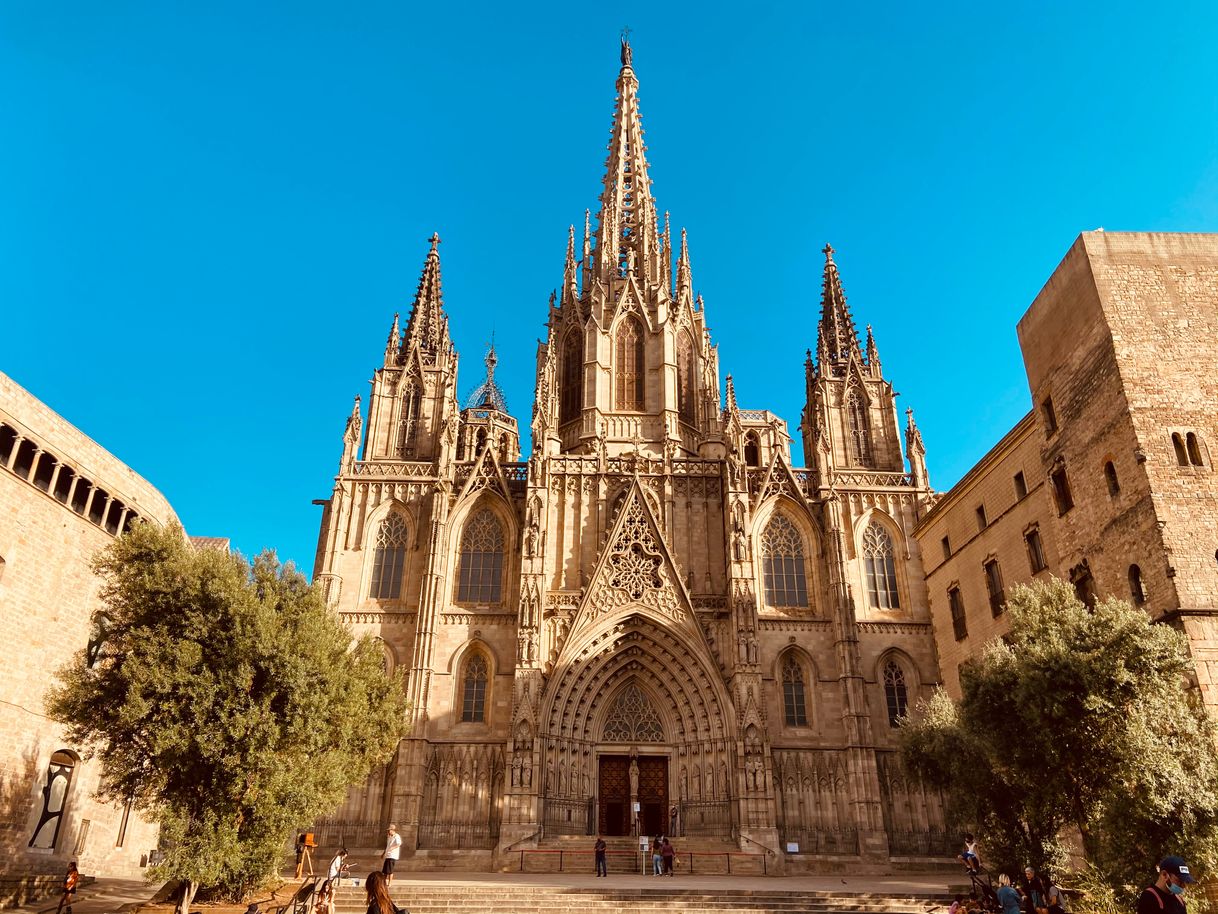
[881, 569]
[782, 562]
[388, 559]
[480, 574]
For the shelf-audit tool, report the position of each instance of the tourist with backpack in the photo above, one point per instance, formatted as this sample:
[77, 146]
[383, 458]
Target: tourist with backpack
[1164, 895]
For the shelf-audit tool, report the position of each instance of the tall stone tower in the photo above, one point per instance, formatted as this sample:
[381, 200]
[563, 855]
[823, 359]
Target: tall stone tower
[656, 623]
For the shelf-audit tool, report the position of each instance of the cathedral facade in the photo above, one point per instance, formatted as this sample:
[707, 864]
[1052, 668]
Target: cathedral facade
[655, 609]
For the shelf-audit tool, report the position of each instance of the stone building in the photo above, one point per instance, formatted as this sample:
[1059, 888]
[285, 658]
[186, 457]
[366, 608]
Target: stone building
[1109, 481]
[656, 608]
[62, 499]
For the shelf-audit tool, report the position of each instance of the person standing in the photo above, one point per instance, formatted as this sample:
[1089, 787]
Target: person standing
[1033, 889]
[657, 857]
[1163, 896]
[667, 853]
[393, 850]
[602, 866]
[71, 880]
[1007, 896]
[1054, 895]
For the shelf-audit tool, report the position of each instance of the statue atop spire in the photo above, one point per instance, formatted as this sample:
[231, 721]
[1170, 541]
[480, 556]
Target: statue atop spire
[627, 53]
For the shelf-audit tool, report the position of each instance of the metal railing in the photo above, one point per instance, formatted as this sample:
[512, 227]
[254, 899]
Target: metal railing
[705, 817]
[822, 840]
[925, 843]
[335, 833]
[458, 835]
[706, 863]
[568, 817]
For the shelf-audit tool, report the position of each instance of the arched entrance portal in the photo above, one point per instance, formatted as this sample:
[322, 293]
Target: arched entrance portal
[635, 714]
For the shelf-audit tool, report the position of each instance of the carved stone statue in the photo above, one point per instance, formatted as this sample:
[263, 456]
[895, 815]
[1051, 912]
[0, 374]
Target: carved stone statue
[634, 779]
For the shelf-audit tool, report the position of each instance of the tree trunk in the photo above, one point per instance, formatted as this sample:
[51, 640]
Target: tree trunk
[189, 887]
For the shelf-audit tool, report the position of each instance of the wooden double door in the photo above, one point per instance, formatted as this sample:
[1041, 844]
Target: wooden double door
[613, 795]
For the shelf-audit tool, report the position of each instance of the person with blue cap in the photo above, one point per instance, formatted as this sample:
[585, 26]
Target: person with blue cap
[1164, 895]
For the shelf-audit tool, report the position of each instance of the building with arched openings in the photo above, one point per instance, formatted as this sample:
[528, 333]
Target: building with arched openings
[64, 499]
[656, 607]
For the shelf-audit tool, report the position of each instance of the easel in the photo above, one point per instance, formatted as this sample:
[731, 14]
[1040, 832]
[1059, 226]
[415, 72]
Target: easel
[306, 854]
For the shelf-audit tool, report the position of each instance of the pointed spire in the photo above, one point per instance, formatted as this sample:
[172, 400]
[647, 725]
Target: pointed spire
[873, 353]
[731, 396]
[913, 435]
[570, 278]
[393, 345]
[627, 226]
[838, 339]
[488, 394]
[666, 264]
[427, 328]
[685, 277]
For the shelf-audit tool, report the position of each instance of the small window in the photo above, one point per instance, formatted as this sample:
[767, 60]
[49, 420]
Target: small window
[8, 441]
[1061, 488]
[752, 453]
[1194, 450]
[895, 694]
[981, 522]
[1110, 476]
[1021, 485]
[1050, 417]
[1177, 444]
[473, 700]
[25, 458]
[993, 587]
[1084, 583]
[959, 623]
[1136, 589]
[1036, 552]
[947, 548]
[795, 710]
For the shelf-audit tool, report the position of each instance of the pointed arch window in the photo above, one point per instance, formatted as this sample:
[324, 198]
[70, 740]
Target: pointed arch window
[880, 567]
[685, 378]
[389, 558]
[752, 452]
[571, 400]
[782, 562]
[794, 707]
[1193, 446]
[54, 799]
[895, 694]
[473, 689]
[630, 364]
[408, 420]
[860, 429]
[480, 572]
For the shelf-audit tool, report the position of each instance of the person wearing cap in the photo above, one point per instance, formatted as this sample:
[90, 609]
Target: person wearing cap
[1163, 895]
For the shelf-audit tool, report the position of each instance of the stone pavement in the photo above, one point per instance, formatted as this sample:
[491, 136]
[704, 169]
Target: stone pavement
[103, 896]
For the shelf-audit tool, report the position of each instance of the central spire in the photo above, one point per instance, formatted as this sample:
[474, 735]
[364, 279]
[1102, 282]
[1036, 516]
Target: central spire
[628, 230]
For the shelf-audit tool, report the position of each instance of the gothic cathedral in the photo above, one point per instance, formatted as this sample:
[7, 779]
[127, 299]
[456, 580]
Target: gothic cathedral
[655, 623]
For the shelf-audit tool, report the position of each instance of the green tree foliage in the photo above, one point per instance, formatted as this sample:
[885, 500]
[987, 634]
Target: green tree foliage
[1084, 719]
[226, 702]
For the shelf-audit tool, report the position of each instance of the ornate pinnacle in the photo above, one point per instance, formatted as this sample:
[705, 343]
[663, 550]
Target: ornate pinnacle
[837, 338]
[435, 244]
[394, 344]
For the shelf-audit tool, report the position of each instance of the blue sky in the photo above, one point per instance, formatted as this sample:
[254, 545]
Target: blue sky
[210, 212]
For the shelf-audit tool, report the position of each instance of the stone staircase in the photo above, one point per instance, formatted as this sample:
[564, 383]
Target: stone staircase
[695, 856]
[661, 899]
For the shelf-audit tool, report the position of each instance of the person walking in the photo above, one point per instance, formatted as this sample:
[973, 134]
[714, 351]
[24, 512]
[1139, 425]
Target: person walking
[71, 880]
[393, 850]
[657, 857]
[667, 853]
[1007, 896]
[602, 866]
[1163, 896]
[379, 900]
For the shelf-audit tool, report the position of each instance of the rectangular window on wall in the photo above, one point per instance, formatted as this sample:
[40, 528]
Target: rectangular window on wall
[1021, 485]
[981, 522]
[1036, 553]
[959, 623]
[947, 548]
[993, 586]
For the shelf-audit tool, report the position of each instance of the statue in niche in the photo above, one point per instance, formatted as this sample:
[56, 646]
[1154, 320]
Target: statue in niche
[517, 771]
[634, 777]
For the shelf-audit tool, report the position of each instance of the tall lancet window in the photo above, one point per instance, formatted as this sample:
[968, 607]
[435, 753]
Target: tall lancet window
[782, 563]
[860, 429]
[895, 694]
[631, 373]
[480, 573]
[388, 559]
[571, 397]
[881, 568]
[795, 710]
[473, 692]
[685, 378]
[408, 420]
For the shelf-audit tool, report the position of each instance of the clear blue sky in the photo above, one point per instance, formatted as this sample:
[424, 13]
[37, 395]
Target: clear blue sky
[211, 211]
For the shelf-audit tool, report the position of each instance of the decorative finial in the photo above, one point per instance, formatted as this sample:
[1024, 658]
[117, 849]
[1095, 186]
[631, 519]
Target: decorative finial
[626, 52]
[435, 242]
[827, 250]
